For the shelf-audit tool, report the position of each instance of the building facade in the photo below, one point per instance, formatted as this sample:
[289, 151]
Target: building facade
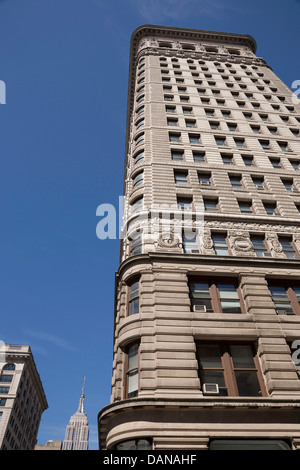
[49, 445]
[207, 312]
[77, 431]
[22, 398]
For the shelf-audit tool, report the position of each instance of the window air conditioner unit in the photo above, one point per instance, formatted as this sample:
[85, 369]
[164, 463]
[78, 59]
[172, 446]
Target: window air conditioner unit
[281, 311]
[267, 255]
[204, 183]
[210, 389]
[199, 308]
[295, 190]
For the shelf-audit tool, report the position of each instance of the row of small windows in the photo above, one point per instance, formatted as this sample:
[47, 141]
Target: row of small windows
[227, 159]
[230, 84]
[219, 67]
[240, 142]
[246, 206]
[241, 104]
[212, 204]
[261, 249]
[237, 181]
[224, 295]
[192, 47]
[232, 367]
[230, 126]
[183, 89]
[226, 113]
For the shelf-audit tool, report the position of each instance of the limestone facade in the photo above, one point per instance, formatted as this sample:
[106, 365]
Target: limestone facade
[22, 398]
[209, 127]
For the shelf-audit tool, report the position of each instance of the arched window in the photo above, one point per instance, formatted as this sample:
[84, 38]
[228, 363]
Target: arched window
[9, 367]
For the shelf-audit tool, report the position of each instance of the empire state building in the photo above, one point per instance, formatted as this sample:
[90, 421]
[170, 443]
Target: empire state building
[77, 431]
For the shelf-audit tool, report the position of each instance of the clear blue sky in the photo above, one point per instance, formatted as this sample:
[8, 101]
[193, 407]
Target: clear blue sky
[62, 140]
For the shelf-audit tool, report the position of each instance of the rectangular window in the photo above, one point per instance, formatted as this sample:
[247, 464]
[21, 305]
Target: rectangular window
[276, 163]
[190, 123]
[220, 141]
[132, 373]
[283, 146]
[189, 241]
[6, 378]
[138, 180]
[194, 138]
[180, 177]
[137, 205]
[232, 127]
[295, 164]
[136, 245]
[245, 207]
[134, 299]
[214, 296]
[199, 157]
[184, 203]
[271, 208]
[220, 244]
[177, 155]
[172, 122]
[259, 245]
[214, 124]
[227, 158]
[240, 143]
[286, 297]
[248, 160]
[204, 179]
[287, 247]
[265, 144]
[236, 181]
[288, 184]
[211, 205]
[232, 366]
[174, 137]
[258, 182]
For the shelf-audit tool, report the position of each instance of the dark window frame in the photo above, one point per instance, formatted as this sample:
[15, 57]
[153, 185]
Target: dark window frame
[228, 368]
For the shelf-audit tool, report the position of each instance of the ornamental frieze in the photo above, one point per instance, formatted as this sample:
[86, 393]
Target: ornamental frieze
[253, 227]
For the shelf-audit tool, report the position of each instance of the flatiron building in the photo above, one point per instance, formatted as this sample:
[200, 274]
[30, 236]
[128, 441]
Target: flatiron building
[207, 312]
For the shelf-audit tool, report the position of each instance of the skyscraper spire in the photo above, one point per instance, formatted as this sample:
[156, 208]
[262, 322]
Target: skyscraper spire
[80, 410]
[77, 431]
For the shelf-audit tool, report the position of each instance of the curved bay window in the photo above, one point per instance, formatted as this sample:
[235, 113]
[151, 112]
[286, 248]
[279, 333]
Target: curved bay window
[136, 245]
[132, 371]
[215, 296]
[233, 367]
[134, 299]
[134, 444]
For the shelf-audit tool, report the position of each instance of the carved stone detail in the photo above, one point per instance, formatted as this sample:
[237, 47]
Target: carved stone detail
[296, 240]
[253, 226]
[274, 245]
[168, 242]
[240, 243]
[206, 243]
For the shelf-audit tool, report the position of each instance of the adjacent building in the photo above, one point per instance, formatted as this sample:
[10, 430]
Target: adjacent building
[22, 398]
[207, 312]
[77, 431]
[49, 445]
